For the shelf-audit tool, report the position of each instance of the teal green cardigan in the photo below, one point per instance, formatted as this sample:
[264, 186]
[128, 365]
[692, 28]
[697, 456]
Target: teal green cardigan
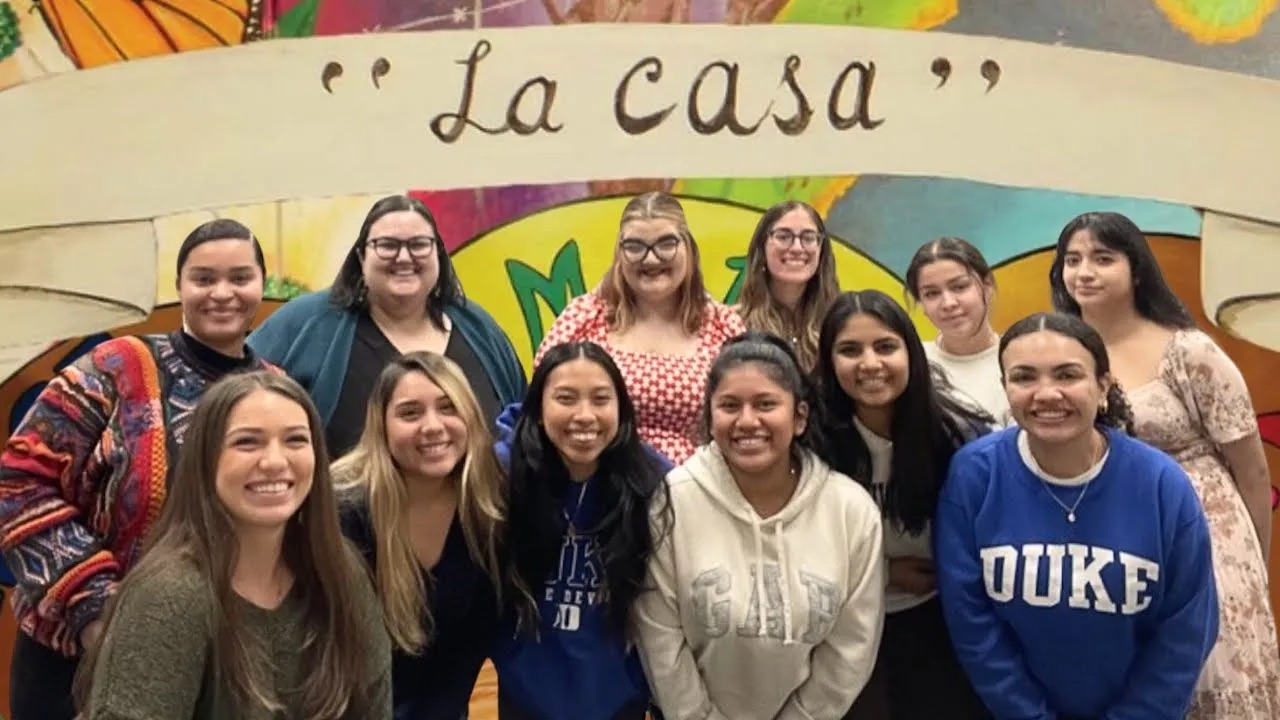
[310, 339]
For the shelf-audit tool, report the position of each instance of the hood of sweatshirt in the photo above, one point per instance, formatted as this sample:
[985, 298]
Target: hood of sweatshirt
[708, 469]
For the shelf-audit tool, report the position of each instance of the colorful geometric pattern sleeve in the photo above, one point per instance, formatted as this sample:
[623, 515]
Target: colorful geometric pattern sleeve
[47, 490]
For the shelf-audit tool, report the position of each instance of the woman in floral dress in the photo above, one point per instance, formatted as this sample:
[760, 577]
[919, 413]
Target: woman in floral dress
[1190, 400]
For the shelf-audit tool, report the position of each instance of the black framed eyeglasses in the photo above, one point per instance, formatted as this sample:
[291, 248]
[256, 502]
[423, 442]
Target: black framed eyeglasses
[389, 248]
[635, 250]
[785, 238]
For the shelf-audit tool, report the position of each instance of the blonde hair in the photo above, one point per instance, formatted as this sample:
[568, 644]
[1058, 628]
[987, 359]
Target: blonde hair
[618, 298]
[758, 308]
[369, 474]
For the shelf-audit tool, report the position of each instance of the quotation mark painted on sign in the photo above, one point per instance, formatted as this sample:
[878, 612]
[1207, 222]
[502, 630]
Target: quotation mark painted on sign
[334, 70]
[990, 71]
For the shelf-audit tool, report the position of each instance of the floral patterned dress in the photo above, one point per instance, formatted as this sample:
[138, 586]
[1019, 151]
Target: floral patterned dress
[1197, 404]
[666, 390]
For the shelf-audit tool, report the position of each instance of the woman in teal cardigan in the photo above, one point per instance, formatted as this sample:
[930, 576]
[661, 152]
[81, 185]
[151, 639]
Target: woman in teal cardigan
[395, 293]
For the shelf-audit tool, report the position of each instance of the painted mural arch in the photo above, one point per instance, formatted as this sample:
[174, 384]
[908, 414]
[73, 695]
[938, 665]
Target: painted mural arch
[522, 249]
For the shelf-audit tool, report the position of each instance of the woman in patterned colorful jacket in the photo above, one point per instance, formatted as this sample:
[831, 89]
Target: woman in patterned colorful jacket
[83, 478]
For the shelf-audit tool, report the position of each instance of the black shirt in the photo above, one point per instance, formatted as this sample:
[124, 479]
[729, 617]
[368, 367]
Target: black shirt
[371, 351]
[437, 683]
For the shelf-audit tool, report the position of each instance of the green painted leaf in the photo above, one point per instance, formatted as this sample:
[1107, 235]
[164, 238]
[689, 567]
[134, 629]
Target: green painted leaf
[10, 34]
[761, 193]
[1217, 13]
[900, 14]
[283, 288]
[556, 290]
[740, 265]
[298, 21]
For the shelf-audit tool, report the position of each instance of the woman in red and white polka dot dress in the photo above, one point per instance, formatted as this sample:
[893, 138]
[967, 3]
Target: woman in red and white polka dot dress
[653, 314]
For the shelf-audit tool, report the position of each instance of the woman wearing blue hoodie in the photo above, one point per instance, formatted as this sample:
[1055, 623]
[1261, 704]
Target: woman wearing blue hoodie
[578, 547]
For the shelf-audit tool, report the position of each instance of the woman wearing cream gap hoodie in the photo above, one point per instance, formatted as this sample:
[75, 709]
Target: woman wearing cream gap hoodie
[811, 564]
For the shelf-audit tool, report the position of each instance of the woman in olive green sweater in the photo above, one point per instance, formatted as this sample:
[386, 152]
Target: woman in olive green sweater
[249, 604]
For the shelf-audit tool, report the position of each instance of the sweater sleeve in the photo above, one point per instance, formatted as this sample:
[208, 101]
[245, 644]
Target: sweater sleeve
[154, 654]
[841, 664]
[984, 644]
[1164, 677]
[377, 644]
[58, 562]
[679, 690]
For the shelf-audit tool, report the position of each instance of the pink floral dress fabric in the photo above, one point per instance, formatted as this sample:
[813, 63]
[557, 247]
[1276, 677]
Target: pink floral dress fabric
[1196, 404]
[667, 390]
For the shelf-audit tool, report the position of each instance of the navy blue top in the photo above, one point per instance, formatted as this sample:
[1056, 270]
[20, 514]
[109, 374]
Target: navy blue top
[437, 684]
[578, 667]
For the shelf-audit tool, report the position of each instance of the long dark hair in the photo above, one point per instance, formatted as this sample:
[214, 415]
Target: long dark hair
[348, 290]
[1152, 296]
[779, 361]
[1117, 413]
[927, 426]
[629, 479]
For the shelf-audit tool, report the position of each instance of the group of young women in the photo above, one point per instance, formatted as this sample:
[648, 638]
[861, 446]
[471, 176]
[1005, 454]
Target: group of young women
[789, 508]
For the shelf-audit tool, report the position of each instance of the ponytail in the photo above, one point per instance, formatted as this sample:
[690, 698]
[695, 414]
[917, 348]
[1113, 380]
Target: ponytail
[1116, 411]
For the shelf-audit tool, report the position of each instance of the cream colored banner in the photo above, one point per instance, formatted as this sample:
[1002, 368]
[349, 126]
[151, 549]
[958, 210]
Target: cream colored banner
[1240, 277]
[380, 112]
[67, 282]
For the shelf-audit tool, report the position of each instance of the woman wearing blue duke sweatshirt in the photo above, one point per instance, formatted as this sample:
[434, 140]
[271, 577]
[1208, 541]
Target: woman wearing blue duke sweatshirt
[578, 541]
[1073, 561]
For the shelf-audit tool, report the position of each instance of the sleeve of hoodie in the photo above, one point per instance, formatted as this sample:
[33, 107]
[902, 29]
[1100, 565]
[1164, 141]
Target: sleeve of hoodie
[506, 423]
[678, 688]
[841, 664]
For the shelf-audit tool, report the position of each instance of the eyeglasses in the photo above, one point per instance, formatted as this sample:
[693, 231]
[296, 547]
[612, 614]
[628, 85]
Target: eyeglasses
[784, 238]
[635, 251]
[389, 248]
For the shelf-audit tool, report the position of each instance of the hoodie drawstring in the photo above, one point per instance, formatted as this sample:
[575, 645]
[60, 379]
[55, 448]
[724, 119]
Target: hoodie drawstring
[785, 567]
[784, 584]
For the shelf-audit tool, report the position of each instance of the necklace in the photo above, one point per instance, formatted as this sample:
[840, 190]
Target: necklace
[1071, 509]
[570, 519]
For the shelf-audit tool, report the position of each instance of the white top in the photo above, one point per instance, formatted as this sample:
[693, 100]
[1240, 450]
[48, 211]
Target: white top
[898, 543]
[976, 377]
[773, 618]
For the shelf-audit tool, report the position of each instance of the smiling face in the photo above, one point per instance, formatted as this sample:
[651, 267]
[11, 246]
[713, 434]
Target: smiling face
[870, 362]
[580, 414]
[399, 259]
[953, 298]
[1053, 387]
[792, 249]
[426, 436]
[754, 420]
[220, 288]
[1095, 275]
[654, 259]
[267, 460]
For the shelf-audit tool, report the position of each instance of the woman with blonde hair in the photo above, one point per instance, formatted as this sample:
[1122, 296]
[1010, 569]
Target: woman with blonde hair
[422, 497]
[248, 602]
[791, 277]
[654, 317]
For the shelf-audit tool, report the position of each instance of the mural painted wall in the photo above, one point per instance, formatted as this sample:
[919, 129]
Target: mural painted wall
[523, 250]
